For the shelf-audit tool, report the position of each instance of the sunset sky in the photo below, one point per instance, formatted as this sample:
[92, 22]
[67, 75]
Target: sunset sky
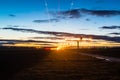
[50, 22]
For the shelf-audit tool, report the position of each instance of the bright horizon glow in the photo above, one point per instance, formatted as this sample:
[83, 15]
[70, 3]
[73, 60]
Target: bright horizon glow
[68, 44]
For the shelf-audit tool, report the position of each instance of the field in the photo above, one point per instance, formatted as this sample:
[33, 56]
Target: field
[39, 64]
[111, 52]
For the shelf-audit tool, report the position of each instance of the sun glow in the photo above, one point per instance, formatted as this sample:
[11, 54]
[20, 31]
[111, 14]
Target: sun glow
[67, 42]
[58, 48]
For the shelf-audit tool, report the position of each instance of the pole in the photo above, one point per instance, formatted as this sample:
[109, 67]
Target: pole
[77, 44]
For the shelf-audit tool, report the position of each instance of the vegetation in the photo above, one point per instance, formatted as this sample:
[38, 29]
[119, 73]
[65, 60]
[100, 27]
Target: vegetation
[38, 64]
[111, 52]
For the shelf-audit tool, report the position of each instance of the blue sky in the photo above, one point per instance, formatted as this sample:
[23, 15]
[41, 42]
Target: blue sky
[88, 17]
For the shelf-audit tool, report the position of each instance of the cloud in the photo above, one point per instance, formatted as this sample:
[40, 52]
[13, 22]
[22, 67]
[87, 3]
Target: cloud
[110, 27]
[52, 38]
[12, 41]
[115, 39]
[115, 33]
[65, 34]
[71, 13]
[13, 26]
[12, 15]
[83, 29]
[101, 13]
[77, 13]
[37, 31]
[46, 21]
[3, 41]
[87, 19]
[67, 14]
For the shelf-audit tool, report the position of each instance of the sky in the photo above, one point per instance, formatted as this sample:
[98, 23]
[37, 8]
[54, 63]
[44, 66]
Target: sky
[50, 22]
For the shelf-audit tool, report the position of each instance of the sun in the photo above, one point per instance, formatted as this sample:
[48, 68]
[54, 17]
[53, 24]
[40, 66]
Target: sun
[58, 48]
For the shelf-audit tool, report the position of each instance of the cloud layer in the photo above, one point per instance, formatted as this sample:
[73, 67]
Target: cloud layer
[51, 38]
[115, 33]
[12, 15]
[77, 13]
[65, 34]
[110, 27]
[46, 21]
[13, 42]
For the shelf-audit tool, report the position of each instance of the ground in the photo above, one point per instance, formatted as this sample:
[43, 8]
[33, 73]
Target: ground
[32, 64]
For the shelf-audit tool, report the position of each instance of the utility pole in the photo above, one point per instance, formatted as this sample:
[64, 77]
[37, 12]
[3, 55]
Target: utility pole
[78, 43]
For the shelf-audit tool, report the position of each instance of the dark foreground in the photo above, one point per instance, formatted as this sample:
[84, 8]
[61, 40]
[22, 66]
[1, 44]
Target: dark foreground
[32, 64]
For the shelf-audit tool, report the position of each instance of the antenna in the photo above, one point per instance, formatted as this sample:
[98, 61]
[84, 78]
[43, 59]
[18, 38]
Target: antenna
[71, 6]
[47, 10]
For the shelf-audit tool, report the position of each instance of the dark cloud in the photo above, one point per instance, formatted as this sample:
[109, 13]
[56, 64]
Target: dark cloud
[46, 21]
[52, 38]
[77, 13]
[37, 31]
[67, 14]
[3, 41]
[115, 39]
[44, 44]
[110, 27]
[11, 41]
[65, 34]
[115, 33]
[12, 15]
[102, 13]
[87, 19]
[71, 14]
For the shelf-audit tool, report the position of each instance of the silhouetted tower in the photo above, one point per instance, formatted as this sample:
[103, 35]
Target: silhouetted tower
[78, 42]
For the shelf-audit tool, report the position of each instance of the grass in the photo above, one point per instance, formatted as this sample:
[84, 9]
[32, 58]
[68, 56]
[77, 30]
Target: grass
[15, 59]
[33, 64]
[111, 52]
